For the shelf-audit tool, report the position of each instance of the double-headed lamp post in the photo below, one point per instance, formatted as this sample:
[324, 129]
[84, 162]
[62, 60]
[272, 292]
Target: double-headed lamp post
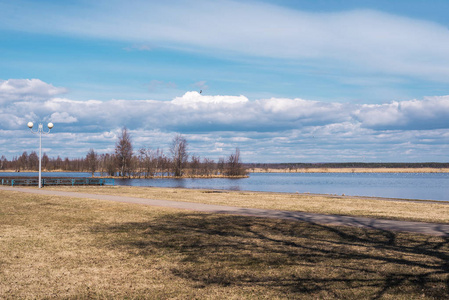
[40, 131]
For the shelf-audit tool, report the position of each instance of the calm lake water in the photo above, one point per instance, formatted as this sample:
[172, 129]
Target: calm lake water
[426, 186]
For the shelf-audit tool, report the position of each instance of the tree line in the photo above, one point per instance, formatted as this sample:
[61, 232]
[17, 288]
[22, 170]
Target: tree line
[143, 163]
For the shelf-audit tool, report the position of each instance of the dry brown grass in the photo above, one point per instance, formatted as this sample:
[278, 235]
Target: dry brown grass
[57, 247]
[425, 211]
[351, 170]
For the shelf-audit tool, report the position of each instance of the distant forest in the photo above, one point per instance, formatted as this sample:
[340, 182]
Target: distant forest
[294, 166]
[125, 162]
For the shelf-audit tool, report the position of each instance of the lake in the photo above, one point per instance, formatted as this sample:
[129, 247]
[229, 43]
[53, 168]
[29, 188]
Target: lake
[425, 186]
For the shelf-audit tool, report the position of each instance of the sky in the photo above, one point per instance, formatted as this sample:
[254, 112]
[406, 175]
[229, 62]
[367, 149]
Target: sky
[282, 80]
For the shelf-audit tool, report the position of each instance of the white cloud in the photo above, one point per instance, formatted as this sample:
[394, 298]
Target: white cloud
[303, 111]
[194, 99]
[63, 117]
[430, 113]
[27, 90]
[11, 121]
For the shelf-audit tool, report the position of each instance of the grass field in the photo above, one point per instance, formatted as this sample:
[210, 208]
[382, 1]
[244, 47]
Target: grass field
[58, 247]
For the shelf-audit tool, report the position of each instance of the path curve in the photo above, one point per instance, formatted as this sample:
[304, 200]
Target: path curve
[371, 223]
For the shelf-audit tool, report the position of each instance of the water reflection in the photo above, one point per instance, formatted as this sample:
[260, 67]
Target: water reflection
[179, 183]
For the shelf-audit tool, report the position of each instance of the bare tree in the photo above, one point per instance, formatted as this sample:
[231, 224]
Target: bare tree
[147, 161]
[3, 162]
[124, 152]
[45, 161]
[157, 161]
[221, 165]
[92, 161]
[66, 165]
[57, 163]
[234, 165]
[163, 163]
[101, 163]
[23, 161]
[207, 166]
[195, 163]
[33, 161]
[178, 149]
[109, 162]
[134, 167]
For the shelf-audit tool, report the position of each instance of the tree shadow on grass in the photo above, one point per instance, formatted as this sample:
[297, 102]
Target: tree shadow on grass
[291, 258]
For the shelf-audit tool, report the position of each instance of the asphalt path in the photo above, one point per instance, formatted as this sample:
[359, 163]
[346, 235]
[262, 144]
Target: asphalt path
[338, 220]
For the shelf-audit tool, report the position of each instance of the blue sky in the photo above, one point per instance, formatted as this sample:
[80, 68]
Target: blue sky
[285, 81]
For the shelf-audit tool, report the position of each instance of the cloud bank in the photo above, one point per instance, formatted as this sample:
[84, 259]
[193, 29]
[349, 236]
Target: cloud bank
[274, 129]
[27, 90]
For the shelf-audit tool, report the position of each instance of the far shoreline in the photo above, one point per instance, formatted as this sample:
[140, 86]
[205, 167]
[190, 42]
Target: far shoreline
[350, 170]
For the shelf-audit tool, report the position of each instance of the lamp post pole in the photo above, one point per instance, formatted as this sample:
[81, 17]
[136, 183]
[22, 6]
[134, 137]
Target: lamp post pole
[40, 131]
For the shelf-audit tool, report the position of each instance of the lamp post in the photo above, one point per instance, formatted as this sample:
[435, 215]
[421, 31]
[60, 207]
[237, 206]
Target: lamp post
[40, 131]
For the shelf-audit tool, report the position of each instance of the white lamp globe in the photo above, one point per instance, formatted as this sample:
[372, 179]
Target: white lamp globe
[50, 125]
[30, 124]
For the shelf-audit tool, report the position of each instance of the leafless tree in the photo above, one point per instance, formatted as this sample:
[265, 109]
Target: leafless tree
[234, 165]
[163, 163]
[101, 164]
[158, 157]
[3, 162]
[147, 162]
[23, 161]
[109, 164]
[195, 163]
[33, 161]
[92, 161]
[66, 165]
[221, 165]
[45, 161]
[124, 152]
[208, 166]
[178, 150]
[134, 167]
[57, 163]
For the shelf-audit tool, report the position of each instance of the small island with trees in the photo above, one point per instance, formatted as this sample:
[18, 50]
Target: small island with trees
[143, 163]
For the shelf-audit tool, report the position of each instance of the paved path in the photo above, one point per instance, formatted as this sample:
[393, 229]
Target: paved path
[416, 227]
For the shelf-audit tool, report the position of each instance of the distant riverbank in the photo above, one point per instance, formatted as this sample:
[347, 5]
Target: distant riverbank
[350, 170]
